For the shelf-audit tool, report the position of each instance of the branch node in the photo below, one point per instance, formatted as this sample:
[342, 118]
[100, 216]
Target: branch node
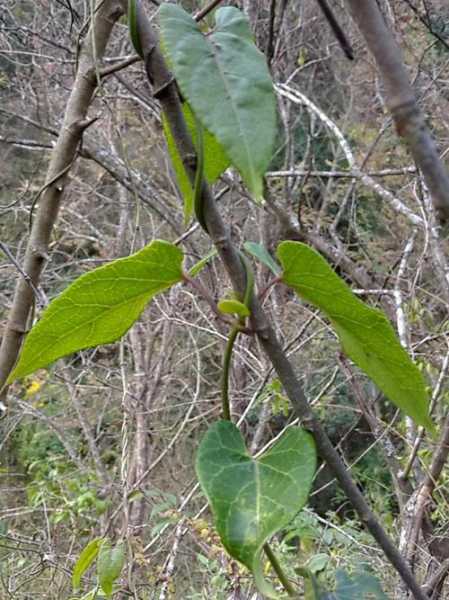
[83, 124]
[40, 254]
[18, 328]
[160, 91]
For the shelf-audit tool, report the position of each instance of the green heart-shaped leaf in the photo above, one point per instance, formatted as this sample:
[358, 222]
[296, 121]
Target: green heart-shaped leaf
[252, 499]
[100, 306]
[365, 333]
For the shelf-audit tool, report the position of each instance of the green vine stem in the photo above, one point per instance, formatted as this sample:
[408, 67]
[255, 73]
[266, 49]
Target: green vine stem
[226, 407]
[279, 572]
[238, 327]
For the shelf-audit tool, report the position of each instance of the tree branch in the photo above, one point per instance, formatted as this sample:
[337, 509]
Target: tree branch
[401, 101]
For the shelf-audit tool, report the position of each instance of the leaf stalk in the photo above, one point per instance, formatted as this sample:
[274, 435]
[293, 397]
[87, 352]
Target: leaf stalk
[279, 572]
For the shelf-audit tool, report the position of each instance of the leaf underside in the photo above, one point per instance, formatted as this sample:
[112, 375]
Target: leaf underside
[261, 253]
[226, 81]
[100, 306]
[365, 333]
[252, 499]
[215, 159]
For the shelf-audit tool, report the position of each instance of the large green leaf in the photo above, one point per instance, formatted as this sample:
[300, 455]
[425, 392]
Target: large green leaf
[100, 306]
[85, 559]
[365, 333]
[226, 81]
[215, 159]
[109, 565]
[252, 499]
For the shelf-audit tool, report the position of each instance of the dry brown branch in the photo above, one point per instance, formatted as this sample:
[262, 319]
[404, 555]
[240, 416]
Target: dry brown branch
[401, 100]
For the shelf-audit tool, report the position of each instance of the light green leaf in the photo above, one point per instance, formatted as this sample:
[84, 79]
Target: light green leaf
[365, 333]
[262, 254]
[100, 306]
[226, 81]
[109, 565]
[252, 499]
[215, 159]
[86, 558]
[233, 307]
[203, 559]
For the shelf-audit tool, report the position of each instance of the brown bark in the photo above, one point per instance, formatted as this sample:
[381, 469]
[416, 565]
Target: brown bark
[401, 101]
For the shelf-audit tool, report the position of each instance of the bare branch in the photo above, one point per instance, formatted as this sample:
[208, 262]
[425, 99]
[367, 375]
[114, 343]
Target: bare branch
[401, 101]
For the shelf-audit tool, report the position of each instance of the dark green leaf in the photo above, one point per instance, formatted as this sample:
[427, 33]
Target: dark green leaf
[86, 558]
[226, 81]
[252, 499]
[360, 586]
[215, 159]
[365, 333]
[109, 565]
[261, 253]
[100, 306]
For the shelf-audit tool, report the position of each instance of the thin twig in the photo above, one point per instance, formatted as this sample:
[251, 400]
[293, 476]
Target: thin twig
[26, 277]
[206, 10]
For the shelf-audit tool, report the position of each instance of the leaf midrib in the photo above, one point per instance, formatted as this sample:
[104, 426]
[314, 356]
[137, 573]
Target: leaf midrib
[227, 89]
